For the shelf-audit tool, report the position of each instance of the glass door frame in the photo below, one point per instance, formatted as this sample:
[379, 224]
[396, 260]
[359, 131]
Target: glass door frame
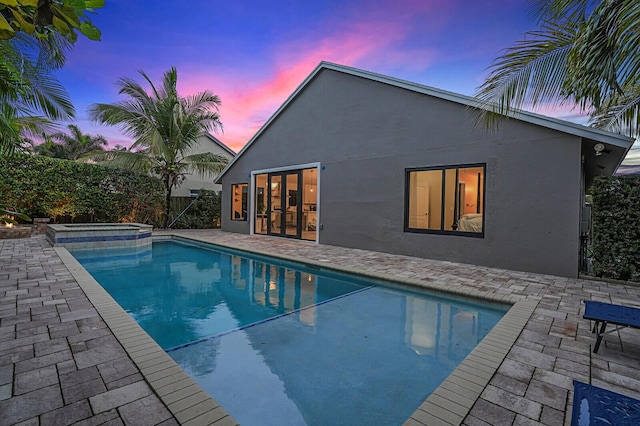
[283, 172]
[284, 202]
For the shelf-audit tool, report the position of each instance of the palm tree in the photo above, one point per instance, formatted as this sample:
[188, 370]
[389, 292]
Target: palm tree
[30, 97]
[33, 40]
[48, 148]
[585, 54]
[164, 127]
[74, 145]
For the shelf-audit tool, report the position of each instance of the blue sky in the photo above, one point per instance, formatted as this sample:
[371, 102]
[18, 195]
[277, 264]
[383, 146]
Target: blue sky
[253, 54]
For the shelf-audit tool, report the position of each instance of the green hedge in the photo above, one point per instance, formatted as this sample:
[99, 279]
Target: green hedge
[70, 191]
[616, 227]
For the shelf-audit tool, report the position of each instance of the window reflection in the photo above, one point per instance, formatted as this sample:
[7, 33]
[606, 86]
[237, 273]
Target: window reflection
[285, 290]
[422, 325]
[438, 329]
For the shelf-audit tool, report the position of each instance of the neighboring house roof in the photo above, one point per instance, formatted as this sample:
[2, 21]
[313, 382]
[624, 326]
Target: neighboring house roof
[219, 142]
[618, 144]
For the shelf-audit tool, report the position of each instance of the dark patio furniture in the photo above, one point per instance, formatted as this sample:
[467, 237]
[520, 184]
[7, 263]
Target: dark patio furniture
[607, 313]
[596, 406]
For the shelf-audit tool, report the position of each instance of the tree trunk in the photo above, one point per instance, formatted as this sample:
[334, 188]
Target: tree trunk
[167, 207]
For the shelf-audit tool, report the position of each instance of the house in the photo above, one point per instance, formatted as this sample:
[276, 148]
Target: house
[195, 182]
[362, 160]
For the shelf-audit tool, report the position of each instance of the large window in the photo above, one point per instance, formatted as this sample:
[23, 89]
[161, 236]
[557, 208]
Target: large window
[239, 193]
[445, 200]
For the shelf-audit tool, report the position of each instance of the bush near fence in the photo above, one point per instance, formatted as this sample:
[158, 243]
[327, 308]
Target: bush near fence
[203, 213]
[616, 227]
[71, 191]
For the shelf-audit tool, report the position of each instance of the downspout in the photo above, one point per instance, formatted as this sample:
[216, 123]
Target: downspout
[584, 223]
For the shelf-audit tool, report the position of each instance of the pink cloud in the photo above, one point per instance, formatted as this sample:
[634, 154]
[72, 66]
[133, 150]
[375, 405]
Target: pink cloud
[372, 43]
[383, 38]
[568, 112]
[111, 134]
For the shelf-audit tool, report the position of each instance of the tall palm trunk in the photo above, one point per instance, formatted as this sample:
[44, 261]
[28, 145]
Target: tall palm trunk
[167, 203]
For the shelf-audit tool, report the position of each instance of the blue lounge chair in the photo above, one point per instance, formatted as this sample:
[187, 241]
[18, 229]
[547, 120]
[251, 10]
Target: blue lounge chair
[606, 313]
[596, 406]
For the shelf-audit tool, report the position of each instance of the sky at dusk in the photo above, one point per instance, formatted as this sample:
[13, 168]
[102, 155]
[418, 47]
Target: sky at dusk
[253, 54]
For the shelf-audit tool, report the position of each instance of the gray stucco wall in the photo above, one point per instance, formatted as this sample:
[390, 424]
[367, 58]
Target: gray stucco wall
[366, 134]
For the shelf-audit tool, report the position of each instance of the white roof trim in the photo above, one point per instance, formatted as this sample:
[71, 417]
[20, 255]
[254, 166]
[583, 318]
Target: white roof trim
[219, 143]
[529, 117]
[287, 168]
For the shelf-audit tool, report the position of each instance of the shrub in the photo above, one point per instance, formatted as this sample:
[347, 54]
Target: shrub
[203, 213]
[70, 191]
[616, 230]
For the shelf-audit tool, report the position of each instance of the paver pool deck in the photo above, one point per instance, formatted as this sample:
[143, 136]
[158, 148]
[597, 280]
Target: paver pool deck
[70, 355]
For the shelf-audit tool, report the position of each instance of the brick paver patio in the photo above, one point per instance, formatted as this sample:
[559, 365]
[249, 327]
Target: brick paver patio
[61, 364]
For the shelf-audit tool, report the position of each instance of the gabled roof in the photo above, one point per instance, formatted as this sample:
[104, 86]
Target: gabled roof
[219, 142]
[619, 143]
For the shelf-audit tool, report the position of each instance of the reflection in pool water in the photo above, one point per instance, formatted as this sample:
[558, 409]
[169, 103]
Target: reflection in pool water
[279, 343]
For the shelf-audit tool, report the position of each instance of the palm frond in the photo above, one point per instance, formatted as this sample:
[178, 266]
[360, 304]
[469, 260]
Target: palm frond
[15, 127]
[546, 10]
[169, 84]
[530, 73]
[127, 116]
[137, 161]
[135, 91]
[201, 102]
[75, 144]
[624, 22]
[47, 52]
[597, 65]
[601, 62]
[27, 83]
[203, 108]
[10, 132]
[205, 163]
[620, 113]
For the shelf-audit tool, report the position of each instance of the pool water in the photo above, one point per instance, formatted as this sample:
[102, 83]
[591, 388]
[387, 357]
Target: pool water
[279, 343]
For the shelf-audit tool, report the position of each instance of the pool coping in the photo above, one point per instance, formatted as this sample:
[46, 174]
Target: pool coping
[449, 404]
[183, 397]
[99, 235]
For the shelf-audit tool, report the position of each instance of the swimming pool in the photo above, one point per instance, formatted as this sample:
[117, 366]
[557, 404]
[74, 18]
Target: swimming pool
[282, 343]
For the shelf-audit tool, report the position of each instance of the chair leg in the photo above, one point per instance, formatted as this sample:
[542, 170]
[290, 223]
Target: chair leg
[600, 335]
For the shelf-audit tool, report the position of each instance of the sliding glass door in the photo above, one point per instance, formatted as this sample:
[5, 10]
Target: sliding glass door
[286, 203]
[284, 215]
[274, 226]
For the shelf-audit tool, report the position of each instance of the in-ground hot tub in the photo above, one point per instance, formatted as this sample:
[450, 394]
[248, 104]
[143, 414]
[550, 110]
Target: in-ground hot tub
[99, 235]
